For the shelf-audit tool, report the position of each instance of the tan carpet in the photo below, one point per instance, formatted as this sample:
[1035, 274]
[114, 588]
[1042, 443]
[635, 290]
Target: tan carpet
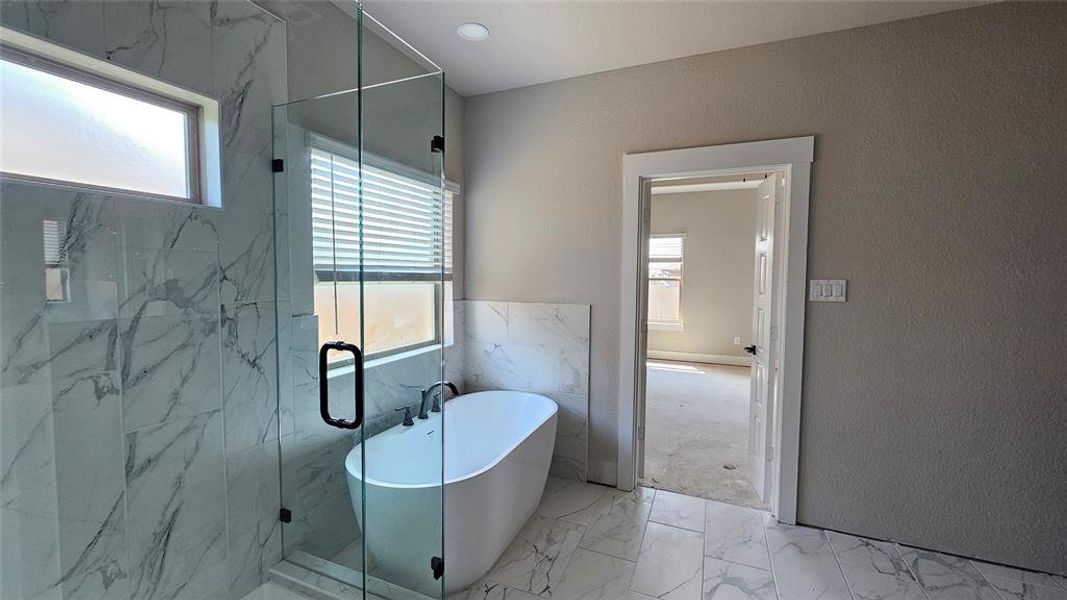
[696, 428]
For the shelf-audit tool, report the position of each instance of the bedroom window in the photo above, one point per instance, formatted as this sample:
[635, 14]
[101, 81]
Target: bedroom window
[666, 254]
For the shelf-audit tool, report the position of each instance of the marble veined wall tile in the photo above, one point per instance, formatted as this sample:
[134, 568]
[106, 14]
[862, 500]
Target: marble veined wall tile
[324, 530]
[549, 325]
[163, 38]
[285, 325]
[90, 486]
[170, 368]
[177, 509]
[300, 360]
[513, 367]
[395, 384]
[455, 357]
[305, 357]
[250, 374]
[85, 239]
[564, 328]
[114, 451]
[74, 23]
[249, 75]
[534, 347]
[62, 505]
[28, 506]
[167, 225]
[255, 543]
[314, 469]
[93, 556]
[572, 438]
[169, 282]
[283, 242]
[487, 322]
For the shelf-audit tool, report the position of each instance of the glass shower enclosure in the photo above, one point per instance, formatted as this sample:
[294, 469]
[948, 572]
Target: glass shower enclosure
[360, 260]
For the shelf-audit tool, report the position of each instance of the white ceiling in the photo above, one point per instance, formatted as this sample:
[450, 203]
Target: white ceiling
[537, 41]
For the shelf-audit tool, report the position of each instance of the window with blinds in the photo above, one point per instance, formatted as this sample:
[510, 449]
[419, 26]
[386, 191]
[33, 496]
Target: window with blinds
[665, 258]
[403, 234]
[404, 223]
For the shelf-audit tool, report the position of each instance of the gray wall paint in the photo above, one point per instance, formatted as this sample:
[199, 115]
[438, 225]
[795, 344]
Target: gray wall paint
[934, 400]
[720, 233]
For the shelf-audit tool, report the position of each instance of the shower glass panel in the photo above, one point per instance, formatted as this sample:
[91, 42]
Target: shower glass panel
[361, 289]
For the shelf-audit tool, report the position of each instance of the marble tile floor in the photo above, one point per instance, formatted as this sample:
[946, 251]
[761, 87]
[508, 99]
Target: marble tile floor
[589, 542]
[696, 431]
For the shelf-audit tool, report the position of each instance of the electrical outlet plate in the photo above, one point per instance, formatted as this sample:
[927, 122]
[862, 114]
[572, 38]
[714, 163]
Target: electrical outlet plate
[827, 290]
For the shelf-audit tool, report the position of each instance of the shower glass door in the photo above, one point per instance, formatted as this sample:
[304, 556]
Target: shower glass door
[361, 298]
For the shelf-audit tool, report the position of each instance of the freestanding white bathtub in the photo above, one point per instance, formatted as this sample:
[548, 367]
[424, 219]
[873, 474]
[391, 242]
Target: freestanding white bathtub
[497, 452]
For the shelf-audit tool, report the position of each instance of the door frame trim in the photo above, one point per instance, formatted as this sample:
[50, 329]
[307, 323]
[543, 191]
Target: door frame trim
[794, 157]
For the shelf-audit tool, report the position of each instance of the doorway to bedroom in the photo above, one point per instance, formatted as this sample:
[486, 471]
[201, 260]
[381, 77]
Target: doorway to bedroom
[709, 266]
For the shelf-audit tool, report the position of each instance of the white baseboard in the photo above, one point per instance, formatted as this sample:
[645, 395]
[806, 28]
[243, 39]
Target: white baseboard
[715, 359]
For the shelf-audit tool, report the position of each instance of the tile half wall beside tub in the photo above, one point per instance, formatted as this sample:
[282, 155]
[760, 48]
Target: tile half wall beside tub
[533, 347]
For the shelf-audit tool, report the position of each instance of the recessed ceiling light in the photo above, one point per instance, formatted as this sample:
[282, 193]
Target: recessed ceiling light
[473, 32]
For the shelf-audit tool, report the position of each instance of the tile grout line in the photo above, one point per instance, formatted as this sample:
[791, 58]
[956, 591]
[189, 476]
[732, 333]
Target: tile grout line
[641, 543]
[915, 576]
[837, 559]
[995, 589]
[770, 559]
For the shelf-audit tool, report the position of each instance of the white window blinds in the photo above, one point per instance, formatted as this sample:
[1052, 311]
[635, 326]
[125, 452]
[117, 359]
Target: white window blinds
[404, 222]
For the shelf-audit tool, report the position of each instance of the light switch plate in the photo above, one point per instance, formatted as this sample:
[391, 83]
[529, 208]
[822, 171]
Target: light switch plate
[827, 290]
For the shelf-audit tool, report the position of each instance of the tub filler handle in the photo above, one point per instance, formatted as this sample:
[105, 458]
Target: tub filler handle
[324, 384]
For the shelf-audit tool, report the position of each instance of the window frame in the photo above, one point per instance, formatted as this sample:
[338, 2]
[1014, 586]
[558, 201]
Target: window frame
[194, 116]
[317, 141]
[678, 325]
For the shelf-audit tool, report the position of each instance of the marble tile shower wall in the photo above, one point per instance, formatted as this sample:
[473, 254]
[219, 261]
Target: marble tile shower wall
[139, 453]
[314, 483]
[532, 347]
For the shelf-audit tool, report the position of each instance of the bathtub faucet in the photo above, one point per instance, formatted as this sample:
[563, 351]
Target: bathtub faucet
[428, 393]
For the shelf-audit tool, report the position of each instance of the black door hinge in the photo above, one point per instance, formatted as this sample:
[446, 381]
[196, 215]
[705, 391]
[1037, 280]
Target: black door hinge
[437, 565]
[285, 515]
[277, 165]
[437, 144]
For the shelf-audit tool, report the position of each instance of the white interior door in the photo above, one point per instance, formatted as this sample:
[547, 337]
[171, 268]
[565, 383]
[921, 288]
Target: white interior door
[641, 369]
[761, 347]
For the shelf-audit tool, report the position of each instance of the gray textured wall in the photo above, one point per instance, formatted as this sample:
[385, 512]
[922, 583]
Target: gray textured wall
[935, 400]
[717, 273]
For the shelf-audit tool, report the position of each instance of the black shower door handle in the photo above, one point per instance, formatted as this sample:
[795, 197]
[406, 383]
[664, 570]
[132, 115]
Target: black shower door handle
[324, 384]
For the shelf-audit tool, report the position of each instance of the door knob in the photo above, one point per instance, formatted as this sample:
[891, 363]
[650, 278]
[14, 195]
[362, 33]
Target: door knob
[751, 349]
